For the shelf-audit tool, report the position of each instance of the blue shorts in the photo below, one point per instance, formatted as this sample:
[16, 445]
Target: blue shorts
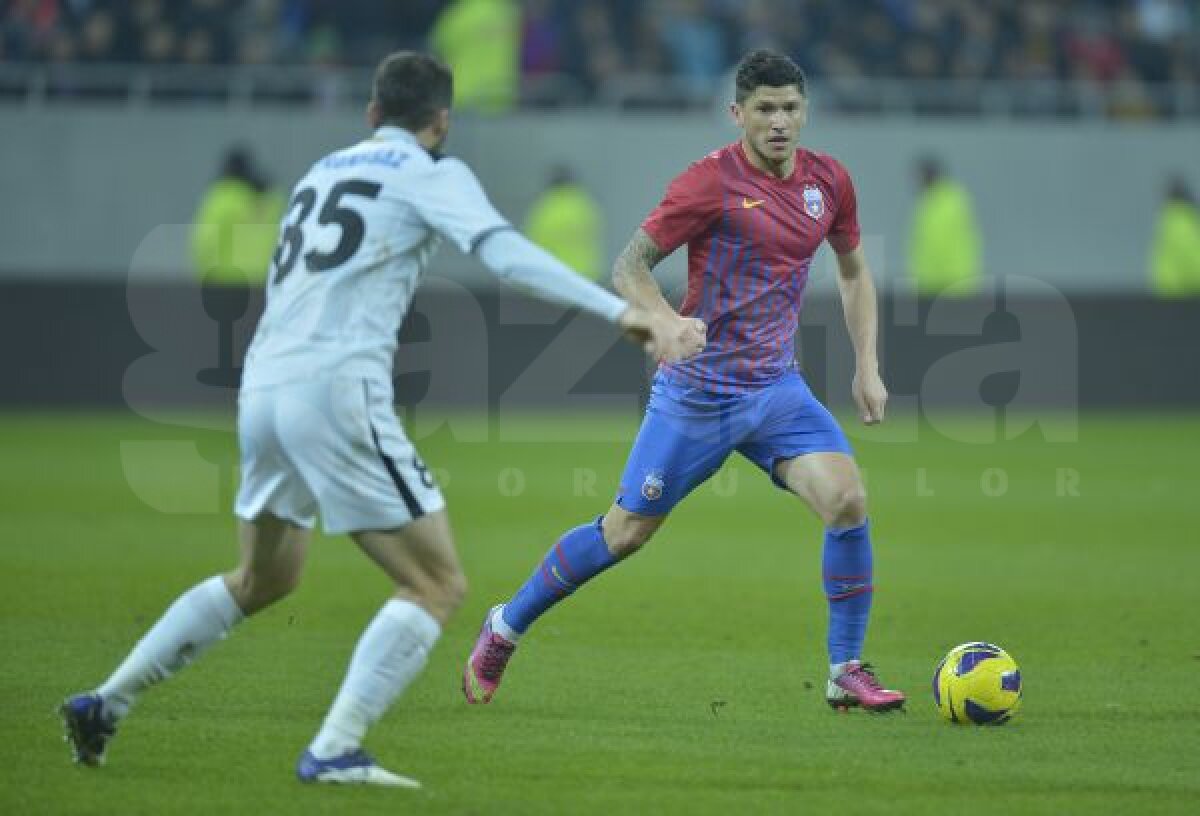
[688, 433]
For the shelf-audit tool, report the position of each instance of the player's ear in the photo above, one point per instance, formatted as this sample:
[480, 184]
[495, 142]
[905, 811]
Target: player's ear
[803, 111]
[441, 124]
[735, 110]
[374, 116]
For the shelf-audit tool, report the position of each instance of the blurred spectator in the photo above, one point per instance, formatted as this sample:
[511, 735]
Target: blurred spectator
[943, 247]
[567, 223]
[480, 39]
[1175, 252]
[236, 224]
[696, 45]
[30, 27]
[1161, 20]
[1147, 60]
[874, 41]
[62, 49]
[541, 39]
[97, 37]
[255, 48]
[978, 50]
[158, 43]
[762, 27]
[197, 47]
[646, 55]
[144, 13]
[1129, 98]
[1093, 49]
[594, 55]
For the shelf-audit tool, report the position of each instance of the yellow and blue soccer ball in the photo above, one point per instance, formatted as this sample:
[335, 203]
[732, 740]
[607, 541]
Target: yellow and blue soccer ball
[977, 683]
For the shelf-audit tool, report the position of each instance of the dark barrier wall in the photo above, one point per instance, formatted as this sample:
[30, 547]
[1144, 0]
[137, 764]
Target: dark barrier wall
[158, 346]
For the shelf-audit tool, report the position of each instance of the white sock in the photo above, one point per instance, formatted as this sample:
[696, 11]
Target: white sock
[390, 653]
[836, 669]
[198, 618]
[501, 627]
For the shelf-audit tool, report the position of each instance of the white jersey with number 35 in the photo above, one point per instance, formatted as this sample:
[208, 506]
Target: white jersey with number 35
[357, 235]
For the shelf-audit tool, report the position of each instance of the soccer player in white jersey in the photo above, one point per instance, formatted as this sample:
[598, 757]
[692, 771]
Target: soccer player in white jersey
[315, 420]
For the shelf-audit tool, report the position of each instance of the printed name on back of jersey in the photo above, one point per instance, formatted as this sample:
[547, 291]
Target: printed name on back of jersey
[386, 156]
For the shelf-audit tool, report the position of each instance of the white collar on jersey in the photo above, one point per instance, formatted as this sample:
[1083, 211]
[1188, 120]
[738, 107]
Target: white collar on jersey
[392, 132]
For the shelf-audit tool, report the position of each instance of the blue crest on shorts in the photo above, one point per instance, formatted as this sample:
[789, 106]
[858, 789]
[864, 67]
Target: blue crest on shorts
[652, 486]
[814, 202]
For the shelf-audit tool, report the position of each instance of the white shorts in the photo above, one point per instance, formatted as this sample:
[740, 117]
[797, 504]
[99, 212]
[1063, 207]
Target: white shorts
[333, 446]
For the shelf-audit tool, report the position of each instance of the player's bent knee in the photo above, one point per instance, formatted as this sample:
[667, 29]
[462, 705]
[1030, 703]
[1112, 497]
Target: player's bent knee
[626, 533]
[848, 507]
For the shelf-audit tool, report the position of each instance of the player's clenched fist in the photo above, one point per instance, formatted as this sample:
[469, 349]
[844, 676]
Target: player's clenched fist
[667, 337]
[691, 336]
[870, 396]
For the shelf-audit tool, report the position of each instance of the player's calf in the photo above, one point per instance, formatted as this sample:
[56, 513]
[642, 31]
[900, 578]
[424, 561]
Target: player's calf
[273, 554]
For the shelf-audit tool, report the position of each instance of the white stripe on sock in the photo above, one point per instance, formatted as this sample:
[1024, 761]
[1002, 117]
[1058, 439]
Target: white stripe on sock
[500, 626]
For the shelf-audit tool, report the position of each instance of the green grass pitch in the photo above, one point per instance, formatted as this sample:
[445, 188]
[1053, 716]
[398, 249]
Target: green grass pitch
[688, 680]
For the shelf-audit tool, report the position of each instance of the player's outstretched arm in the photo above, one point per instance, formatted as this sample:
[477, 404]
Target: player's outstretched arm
[453, 202]
[857, 289]
[514, 258]
[672, 337]
[450, 199]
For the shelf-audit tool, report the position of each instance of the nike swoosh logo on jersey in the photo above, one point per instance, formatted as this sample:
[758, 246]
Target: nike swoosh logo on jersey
[749, 204]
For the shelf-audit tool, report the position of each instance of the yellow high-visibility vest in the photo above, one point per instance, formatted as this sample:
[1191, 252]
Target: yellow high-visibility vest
[944, 252]
[568, 224]
[1175, 252]
[234, 233]
[481, 41]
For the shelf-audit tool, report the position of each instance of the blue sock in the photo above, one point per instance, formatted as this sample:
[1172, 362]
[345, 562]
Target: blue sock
[579, 555]
[846, 566]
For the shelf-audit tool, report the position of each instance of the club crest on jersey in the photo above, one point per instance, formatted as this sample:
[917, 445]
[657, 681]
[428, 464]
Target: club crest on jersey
[814, 202]
[652, 487]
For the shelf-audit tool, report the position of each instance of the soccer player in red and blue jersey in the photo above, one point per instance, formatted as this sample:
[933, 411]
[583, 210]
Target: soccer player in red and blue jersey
[752, 215]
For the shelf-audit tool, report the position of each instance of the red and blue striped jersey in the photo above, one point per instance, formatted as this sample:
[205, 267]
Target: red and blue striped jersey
[751, 239]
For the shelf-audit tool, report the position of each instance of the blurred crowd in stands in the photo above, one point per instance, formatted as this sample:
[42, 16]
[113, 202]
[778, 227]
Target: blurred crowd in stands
[1134, 46]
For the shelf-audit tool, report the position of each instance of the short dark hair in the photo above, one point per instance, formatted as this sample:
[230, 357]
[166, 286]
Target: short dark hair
[410, 88]
[766, 67]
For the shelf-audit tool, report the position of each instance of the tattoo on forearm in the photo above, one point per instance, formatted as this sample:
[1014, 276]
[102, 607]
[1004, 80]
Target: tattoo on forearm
[640, 250]
[645, 250]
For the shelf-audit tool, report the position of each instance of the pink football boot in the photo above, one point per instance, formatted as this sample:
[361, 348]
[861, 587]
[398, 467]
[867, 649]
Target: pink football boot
[857, 686]
[485, 666]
